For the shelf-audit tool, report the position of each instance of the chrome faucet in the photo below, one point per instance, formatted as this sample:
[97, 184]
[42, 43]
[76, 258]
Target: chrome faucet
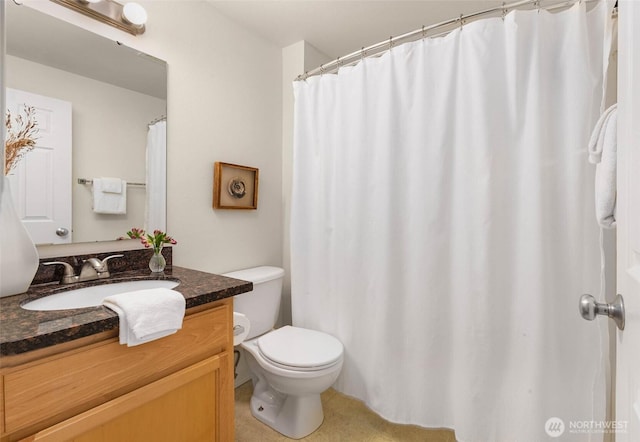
[92, 269]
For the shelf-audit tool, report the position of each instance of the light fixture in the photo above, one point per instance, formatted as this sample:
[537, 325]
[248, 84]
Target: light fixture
[130, 18]
[134, 14]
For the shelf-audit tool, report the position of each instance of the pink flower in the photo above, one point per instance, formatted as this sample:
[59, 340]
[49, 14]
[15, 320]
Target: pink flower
[157, 240]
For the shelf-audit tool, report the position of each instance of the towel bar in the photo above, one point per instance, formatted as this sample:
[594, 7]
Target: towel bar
[90, 181]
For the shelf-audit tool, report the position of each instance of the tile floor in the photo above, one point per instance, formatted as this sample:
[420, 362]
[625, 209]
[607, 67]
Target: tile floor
[345, 420]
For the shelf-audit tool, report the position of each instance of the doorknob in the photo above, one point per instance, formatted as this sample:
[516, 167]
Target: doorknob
[589, 309]
[61, 231]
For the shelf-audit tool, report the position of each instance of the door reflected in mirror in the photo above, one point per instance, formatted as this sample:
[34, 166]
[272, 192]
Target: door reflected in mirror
[115, 93]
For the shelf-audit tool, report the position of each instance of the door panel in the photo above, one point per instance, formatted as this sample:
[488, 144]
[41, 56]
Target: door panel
[182, 406]
[41, 182]
[628, 222]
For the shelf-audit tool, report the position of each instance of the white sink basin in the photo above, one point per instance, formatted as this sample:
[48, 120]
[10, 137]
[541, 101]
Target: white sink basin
[93, 296]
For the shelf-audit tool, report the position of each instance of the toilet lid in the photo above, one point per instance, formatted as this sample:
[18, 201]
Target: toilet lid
[299, 347]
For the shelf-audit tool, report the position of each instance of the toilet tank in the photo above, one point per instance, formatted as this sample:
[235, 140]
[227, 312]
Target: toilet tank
[262, 304]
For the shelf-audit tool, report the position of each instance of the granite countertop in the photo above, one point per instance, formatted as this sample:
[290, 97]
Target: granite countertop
[23, 330]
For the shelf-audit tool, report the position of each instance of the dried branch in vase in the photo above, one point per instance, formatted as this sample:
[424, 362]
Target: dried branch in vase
[21, 137]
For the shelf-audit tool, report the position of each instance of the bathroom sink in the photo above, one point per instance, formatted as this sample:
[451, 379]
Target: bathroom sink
[93, 296]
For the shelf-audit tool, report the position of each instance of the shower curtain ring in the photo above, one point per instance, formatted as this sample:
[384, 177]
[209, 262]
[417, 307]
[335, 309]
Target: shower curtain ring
[504, 10]
[363, 53]
[461, 21]
[424, 33]
[390, 42]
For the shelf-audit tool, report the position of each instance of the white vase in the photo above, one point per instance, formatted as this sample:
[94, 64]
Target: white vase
[18, 255]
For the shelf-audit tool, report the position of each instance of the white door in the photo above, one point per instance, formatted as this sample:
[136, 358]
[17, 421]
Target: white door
[628, 222]
[41, 182]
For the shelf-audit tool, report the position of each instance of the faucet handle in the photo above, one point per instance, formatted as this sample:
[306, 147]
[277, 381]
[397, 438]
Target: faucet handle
[104, 261]
[69, 274]
[105, 265]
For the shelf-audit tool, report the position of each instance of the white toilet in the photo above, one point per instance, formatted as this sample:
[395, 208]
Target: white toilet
[290, 366]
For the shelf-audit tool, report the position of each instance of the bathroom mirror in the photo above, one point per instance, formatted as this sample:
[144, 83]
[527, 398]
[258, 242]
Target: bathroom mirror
[114, 92]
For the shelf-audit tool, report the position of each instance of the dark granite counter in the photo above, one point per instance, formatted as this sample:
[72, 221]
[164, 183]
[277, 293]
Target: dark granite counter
[23, 330]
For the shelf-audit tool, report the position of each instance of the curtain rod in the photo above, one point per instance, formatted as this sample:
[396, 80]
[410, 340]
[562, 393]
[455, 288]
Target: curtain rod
[424, 32]
[157, 120]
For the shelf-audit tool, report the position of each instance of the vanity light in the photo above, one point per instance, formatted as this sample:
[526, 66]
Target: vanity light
[130, 18]
[134, 14]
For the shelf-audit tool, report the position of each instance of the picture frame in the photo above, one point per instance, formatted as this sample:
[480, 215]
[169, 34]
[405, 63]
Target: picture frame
[235, 186]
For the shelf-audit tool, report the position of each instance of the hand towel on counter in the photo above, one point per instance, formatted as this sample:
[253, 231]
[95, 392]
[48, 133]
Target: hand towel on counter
[603, 148]
[110, 196]
[146, 315]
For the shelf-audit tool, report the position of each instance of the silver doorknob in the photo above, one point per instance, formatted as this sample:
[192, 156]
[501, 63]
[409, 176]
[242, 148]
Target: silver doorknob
[61, 231]
[589, 309]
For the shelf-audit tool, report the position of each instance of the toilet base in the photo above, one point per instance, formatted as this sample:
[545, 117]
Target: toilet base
[292, 416]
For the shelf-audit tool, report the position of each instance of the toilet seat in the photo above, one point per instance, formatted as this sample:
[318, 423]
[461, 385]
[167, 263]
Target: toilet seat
[300, 349]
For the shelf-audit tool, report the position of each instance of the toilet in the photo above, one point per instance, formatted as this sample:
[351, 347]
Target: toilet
[290, 366]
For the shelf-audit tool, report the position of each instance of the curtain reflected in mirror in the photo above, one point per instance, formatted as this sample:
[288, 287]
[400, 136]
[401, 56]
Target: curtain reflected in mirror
[157, 176]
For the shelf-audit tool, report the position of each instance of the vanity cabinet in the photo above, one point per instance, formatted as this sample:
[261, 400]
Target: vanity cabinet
[175, 388]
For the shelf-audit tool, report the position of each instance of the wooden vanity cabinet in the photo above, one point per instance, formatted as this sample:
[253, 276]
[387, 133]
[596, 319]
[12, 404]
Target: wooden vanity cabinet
[178, 388]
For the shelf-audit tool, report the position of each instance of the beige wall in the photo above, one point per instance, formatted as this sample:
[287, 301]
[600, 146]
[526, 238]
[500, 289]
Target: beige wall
[224, 104]
[109, 139]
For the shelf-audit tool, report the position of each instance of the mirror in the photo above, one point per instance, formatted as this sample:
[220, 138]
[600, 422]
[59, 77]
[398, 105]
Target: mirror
[114, 92]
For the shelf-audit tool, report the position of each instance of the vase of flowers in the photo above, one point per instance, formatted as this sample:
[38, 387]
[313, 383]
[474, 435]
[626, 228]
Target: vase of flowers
[157, 240]
[19, 260]
[157, 263]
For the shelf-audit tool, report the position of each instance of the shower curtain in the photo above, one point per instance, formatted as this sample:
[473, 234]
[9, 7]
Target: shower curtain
[156, 208]
[442, 226]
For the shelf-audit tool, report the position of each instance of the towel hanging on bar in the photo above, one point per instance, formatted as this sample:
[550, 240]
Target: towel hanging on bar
[109, 196]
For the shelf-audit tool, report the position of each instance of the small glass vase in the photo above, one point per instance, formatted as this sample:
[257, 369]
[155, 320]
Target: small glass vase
[157, 263]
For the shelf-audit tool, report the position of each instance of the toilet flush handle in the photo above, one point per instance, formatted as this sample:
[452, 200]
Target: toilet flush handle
[238, 330]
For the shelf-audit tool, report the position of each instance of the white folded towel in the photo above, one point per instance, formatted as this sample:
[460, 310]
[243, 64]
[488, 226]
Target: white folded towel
[111, 185]
[603, 148]
[146, 315]
[596, 143]
[110, 196]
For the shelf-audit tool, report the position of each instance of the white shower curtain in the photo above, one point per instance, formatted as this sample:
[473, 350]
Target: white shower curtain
[442, 226]
[156, 209]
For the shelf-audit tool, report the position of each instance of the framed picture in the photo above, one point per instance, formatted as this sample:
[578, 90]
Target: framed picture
[234, 186]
